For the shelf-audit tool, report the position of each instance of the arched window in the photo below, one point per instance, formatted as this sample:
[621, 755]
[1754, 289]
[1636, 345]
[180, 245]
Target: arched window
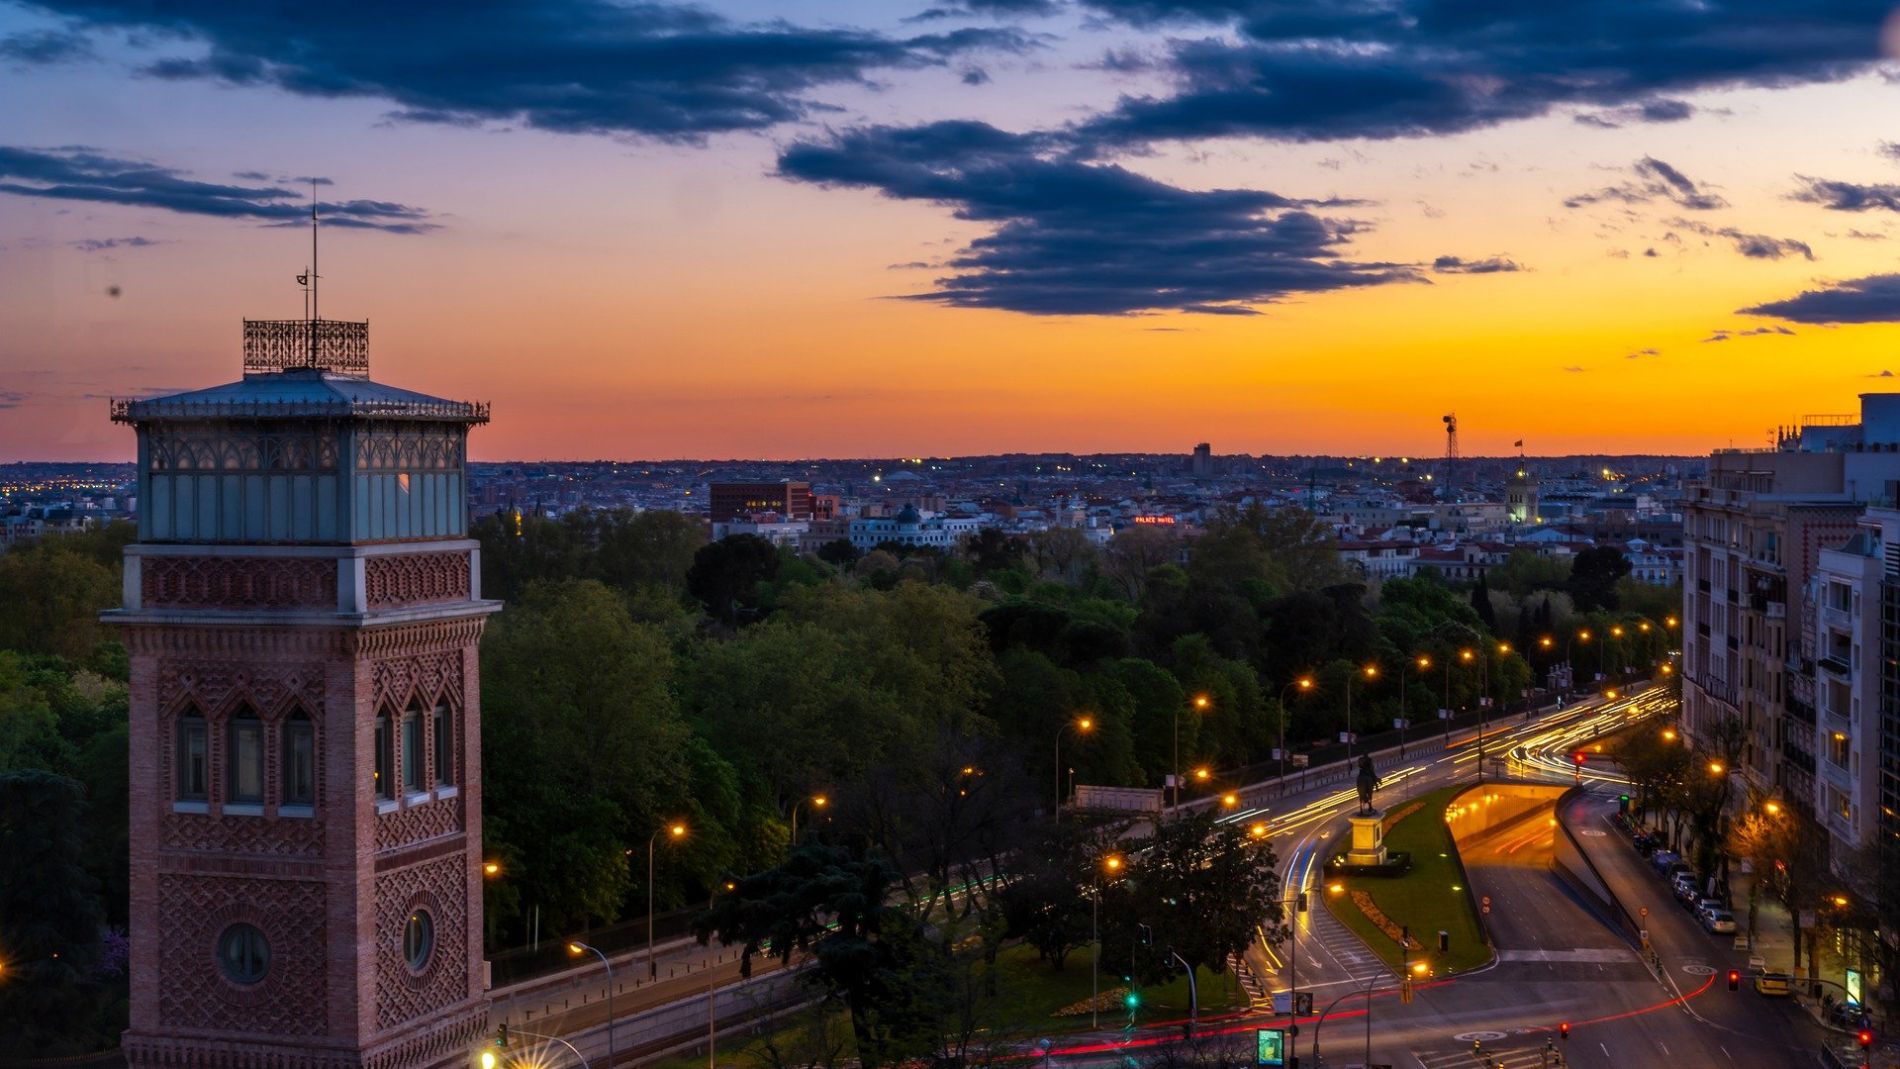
[444, 745]
[244, 760]
[193, 778]
[385, 757]
[298, 757]
[413, 753]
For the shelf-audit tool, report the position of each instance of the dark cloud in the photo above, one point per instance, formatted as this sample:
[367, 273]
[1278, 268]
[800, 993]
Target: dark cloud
[1874, 299]
[974, 76]
[1655, 180]
[83, 174]
[1753, 331]
[1640, 353]
[1753, 246]
[1574, 369]
[1651, 253]
[1454, 265]
[1073, 237]
[1890, 149]
[1881, 374]
[11, 399]
[1332, 69]
[1848, 196]
[1649, 111]
[105, 244]
[1720, 335]
[1007, 9]
[45, 46]
[648, 69]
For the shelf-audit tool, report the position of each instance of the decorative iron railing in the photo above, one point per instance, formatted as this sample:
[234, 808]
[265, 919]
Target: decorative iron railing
[130, 411]
[339, 346]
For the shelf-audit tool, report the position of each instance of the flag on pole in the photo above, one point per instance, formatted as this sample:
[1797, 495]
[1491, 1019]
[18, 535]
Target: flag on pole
[1520, 443]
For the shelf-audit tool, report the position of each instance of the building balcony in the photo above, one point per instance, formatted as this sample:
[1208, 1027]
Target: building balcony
[1800, 759]
[1836, 665]
[1775, 610]
[1799, 710]
[1837, 618]
[1837, 776]
[1842, 828]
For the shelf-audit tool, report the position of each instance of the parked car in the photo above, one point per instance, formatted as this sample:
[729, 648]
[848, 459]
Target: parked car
[1683, 879]
[1662, 859]
[1644, 843]
[1705, 906]
[1689, 895]
[1774, 985]
[1719, 922]
[1847, 1014]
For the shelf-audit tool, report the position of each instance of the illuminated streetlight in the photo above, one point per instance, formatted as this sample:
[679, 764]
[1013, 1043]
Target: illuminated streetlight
[1230, 800]
[1082, 725]
[1716, 768]
[1669, 734]
[578, 948]
[676, 831]
[818, 801]
[491, 869]
[1257, 830]
[1203, 773]
[1772, 808]
[1112, 862]
[1337, 888]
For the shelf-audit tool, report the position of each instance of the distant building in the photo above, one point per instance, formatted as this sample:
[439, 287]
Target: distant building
[736, 501]
[911, 528]
[1202, 465]
[1520, 497]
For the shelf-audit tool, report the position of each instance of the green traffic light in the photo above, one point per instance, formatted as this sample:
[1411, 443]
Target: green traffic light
[1132, 1000]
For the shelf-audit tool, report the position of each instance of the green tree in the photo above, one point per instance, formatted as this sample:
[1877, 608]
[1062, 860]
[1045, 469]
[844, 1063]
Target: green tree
[1203, 889]
[1593, 577]
[726, 575]
[583, 752]
[49, 918]
[838, 907]
[1048, 900]
[54, 591]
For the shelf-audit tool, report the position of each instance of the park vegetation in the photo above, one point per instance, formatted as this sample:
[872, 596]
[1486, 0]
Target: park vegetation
[641, 676]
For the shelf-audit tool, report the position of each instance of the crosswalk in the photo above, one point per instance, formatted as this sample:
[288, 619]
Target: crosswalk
[1343, 948]
[1538, 1057]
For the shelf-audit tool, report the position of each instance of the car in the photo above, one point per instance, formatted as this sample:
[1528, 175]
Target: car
[1676, 868]
[1706, 906]
[1689, 895]
[1847, 1015]
[1683, 879]
[1719, 922]
[1662, 859]
[1774, 985]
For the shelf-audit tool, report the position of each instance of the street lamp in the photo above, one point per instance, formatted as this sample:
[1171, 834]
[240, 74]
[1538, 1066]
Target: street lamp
[675, 830]
[1305, 684]
[818, 801]
[1423, 662]
[1112, 865]
[491, 869]
[1082, 725]
[1372, 672]
[1201, 704]
[578, 948]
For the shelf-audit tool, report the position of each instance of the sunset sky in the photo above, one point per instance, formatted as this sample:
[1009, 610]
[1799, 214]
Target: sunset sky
[648, 230]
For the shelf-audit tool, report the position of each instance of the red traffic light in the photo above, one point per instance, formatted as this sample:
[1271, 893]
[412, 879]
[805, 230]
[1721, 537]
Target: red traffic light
[1734, 979]
[1564, 1029]
[1866, 1038]
[1580, 756]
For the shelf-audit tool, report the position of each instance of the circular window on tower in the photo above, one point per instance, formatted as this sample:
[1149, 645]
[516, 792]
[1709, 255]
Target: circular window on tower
[243, 954]
[418, 939]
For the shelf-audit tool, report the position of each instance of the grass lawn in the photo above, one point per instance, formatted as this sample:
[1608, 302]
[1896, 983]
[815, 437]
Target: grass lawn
[1029, 992]
[1427, 898]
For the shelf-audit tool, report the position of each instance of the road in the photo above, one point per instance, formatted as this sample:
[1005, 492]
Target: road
[1558, 960]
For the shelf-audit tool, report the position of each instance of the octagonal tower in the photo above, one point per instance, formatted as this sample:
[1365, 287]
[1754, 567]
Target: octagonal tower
[302, 609]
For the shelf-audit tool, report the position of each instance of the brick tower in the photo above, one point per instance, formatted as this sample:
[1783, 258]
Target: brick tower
[302, 609]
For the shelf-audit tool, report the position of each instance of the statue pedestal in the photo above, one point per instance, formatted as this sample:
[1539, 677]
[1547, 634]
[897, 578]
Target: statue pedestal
[1368, 839]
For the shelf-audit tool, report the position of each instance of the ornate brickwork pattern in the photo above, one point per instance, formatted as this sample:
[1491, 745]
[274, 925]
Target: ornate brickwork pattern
[403, 994]
[238, 583]
[415, 579]
[215, 689]
[418, 823]
[193, 992]
[284, 837]
[422, 680]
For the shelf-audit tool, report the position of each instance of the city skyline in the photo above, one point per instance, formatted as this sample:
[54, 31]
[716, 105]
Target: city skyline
[1115, 234]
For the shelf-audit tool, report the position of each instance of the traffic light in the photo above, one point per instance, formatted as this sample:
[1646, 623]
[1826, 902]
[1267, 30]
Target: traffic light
[1622, 803]
[1132, 1000]
[1444, 940]
[1563, 1031]
[501, 1036]
[1866, 1038]
[1734, 979]
[1299, 902]
[1579, 758]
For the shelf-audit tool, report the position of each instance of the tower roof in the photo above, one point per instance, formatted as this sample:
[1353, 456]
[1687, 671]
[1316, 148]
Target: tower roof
[301, 369]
